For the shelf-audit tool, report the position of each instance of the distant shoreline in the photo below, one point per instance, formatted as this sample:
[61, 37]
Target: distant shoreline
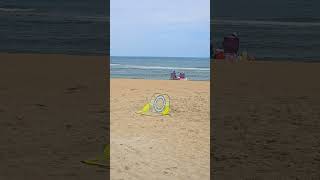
[258, 59]
[159, 57]
[127, 78]
[279, 60]
[287, 60]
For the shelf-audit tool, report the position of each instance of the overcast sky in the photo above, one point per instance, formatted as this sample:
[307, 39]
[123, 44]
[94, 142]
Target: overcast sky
[163, 28]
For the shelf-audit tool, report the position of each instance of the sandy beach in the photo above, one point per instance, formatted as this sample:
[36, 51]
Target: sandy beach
[265, 120]
[53, 114]
[162, 147]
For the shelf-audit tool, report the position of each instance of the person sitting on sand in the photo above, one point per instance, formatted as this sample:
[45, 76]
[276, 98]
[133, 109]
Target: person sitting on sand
[182, 76]
[173, 75]
[231, 46]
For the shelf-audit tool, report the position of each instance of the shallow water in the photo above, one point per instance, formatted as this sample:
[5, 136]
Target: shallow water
[159, 67]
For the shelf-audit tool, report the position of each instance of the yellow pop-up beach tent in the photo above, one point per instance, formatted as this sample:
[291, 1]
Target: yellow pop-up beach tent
[158, 105]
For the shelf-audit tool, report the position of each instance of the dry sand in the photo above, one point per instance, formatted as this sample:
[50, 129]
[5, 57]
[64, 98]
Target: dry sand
[265, 120]
[53, 114]
[163, 148]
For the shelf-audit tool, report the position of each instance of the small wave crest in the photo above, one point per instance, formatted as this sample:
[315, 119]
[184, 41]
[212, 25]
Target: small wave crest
[4, 9]
[158, 67]
[43, 15]
[263, 23]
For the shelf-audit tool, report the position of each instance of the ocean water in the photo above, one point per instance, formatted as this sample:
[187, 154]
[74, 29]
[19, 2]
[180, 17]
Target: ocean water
[159, 67]
[57, 26]
[286, 29]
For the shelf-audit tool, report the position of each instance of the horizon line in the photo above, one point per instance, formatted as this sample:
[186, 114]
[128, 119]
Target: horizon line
[160, 56]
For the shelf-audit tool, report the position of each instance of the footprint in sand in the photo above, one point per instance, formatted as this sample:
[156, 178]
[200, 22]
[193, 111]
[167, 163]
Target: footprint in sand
[19, 117]
[130, 148]
[75, 89]
[170, 171]
[41, 106]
